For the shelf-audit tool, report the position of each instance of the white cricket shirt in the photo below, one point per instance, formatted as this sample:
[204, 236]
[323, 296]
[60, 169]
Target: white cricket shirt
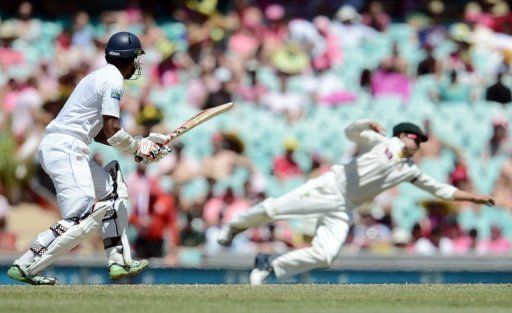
[380, 166]
[97, 94]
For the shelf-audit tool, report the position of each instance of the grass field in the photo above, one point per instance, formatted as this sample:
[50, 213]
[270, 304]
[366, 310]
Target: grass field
[270, 298]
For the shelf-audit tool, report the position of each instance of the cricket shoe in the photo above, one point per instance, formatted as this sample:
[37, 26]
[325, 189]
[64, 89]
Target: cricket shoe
[117, 271]
[17, 273]
[227, 234]
[262, 269]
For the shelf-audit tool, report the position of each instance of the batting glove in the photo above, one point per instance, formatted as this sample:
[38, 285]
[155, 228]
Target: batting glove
[158, 138]
[161, 140]
[147, 150]
[164, 150]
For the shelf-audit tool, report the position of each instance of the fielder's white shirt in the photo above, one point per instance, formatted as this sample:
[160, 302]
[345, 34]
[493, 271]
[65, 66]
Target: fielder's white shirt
[97, 94]
[380, 166]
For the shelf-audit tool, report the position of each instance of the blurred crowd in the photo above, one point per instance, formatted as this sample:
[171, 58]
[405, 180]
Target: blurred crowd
[284, 58]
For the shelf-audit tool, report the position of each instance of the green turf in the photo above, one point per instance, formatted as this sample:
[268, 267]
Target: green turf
[270, 298]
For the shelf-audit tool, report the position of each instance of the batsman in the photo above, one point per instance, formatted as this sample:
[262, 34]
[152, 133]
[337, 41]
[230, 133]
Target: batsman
[381, 163]
[90, 197]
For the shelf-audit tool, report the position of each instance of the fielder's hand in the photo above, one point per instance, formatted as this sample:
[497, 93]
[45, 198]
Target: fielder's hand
[376, 127]
[487, 200]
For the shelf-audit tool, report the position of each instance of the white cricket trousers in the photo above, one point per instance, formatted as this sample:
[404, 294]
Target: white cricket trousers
[79, 181]
[320, 197]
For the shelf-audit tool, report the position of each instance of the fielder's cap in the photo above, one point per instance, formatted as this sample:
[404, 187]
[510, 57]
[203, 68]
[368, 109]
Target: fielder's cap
[409, 128]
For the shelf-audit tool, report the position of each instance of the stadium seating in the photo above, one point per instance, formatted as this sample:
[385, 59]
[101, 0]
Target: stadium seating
[466, 125]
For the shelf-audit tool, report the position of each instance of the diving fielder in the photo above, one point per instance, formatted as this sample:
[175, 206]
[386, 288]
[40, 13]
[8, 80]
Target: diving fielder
[381, 164]
[90, 197]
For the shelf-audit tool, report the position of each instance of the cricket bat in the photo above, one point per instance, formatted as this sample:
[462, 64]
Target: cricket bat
[196, 120]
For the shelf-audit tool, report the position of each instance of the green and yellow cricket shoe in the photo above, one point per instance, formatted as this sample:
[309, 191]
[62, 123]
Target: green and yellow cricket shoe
[137, 266]
[15, 272]
[117, 271]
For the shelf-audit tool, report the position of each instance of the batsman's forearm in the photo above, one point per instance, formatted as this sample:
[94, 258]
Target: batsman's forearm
[111, 125]
[101, 138]
[116, 136]
[461, 195]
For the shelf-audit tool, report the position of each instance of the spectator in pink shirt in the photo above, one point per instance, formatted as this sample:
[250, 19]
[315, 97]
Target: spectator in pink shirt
[465, 243]
[461, 243]
[10, 94]
[391, 78]
[9, 56]
[250, 89]
[222, 208]
[497, 244]
[333, 54]
[389, 83]
[276, 32]
[27, 108]
[133, 12]
[243, 43]
[247, 39]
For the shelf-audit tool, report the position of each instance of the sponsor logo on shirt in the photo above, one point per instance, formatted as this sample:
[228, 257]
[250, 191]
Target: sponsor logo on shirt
[388, 154]
[116, 94]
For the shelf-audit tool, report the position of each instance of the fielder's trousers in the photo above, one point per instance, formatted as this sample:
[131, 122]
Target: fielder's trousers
[321, 198]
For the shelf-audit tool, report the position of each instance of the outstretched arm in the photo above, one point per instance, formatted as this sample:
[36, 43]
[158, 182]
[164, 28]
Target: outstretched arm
[447, 192]
[461, 195]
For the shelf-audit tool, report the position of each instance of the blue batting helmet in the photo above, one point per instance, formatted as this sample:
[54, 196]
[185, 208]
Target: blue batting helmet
[124, 45]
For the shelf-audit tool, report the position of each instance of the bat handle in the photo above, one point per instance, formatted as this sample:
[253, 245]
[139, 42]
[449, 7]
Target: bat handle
[170, 137]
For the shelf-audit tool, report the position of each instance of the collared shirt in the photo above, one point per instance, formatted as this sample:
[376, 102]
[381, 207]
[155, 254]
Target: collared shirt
[381, 165]
[97, 94]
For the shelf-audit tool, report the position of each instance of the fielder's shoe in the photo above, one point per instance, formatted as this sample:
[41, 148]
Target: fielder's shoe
[227, 234]
[116, 271]
[262, 269]
[17, 273]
